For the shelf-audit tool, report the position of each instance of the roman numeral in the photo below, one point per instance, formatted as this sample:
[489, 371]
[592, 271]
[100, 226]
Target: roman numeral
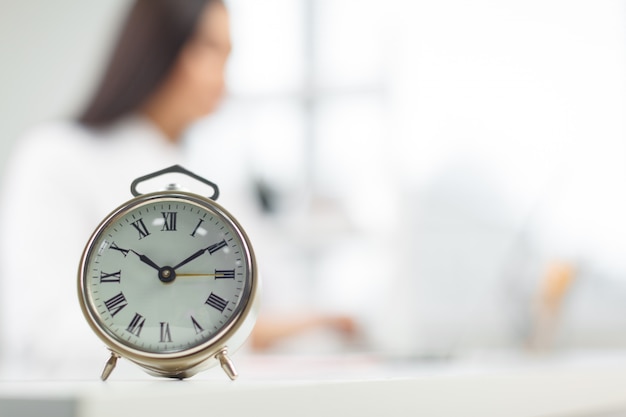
[141, 228]
[112, 277]
[224, 274]
[116, 303]
[216, 302]
[193, 234]
[217, 246]
[170, 221]
[136, 324]
[117, 248]
[166, 337]
[196, 326]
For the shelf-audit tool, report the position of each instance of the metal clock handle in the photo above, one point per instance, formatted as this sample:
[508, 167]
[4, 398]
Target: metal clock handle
[174, 169]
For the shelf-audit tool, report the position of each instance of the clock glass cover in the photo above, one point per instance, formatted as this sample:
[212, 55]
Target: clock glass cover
[167, 274]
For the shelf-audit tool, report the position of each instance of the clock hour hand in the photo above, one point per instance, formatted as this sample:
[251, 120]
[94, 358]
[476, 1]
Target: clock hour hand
[146, 260]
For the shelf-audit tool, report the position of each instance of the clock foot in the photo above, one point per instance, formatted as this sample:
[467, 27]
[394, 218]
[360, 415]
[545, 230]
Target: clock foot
[110, 365]
[226, 364]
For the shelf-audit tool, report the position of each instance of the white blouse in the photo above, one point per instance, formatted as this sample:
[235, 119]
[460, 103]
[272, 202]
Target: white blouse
[62, 180]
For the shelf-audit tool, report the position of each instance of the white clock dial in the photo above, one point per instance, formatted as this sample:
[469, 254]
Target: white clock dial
[167, 275]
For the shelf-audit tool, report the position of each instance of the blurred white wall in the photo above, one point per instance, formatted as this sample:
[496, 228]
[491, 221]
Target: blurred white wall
[50, 56]
[509, 122]
[445, 133]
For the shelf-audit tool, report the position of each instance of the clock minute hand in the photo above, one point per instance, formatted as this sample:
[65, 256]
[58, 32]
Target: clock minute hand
[146, 260]
[191, 258]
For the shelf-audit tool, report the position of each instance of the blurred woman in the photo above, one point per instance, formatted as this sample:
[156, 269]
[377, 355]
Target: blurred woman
[166, 71]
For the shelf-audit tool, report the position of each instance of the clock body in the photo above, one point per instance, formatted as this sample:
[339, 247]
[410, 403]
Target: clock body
[169, 281]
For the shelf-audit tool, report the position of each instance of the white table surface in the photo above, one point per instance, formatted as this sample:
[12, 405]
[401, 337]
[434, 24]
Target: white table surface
[576, 385]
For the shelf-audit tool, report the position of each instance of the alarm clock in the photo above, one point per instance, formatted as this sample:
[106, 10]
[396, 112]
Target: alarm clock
[169, 281]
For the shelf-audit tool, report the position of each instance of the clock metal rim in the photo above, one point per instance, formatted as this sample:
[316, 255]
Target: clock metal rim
[231, 335]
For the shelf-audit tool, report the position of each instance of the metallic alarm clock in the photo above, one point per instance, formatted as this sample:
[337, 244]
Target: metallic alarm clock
[169, 281]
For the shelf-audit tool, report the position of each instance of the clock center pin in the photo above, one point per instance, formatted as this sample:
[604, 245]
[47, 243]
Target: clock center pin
[167, 274]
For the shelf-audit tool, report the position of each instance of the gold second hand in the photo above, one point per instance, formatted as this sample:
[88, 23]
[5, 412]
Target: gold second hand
[199, 275]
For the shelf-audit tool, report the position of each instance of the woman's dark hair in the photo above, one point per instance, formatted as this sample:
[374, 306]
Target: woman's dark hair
[151, 39]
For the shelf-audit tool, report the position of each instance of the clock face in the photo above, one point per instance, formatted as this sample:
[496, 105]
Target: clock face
[167, 274]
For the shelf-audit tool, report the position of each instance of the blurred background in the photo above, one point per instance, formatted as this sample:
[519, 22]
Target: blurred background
[450, 173]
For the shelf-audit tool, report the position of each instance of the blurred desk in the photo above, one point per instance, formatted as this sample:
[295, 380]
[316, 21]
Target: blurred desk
[576, 386]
